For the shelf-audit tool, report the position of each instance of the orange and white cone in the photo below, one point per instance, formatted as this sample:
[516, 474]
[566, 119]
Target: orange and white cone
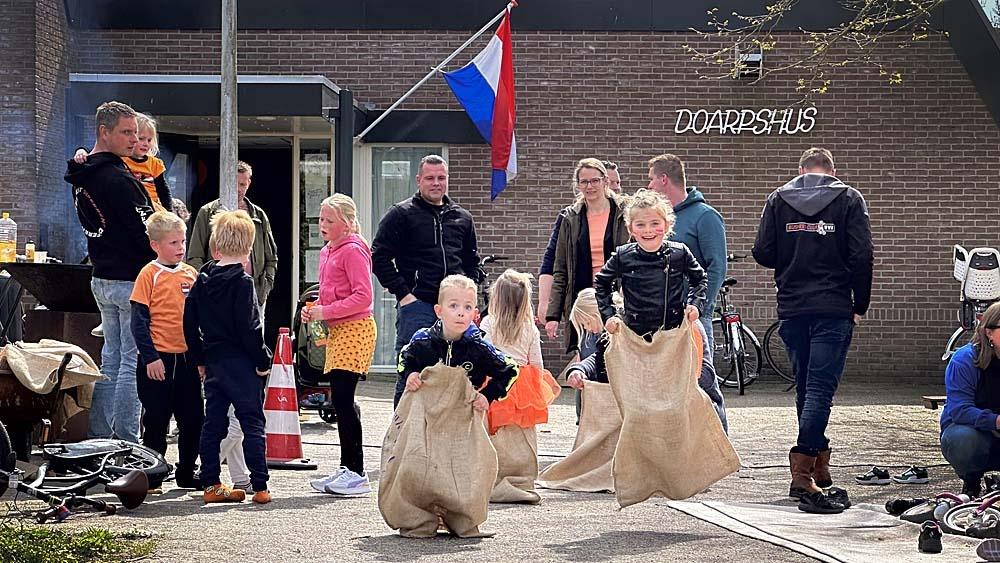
[281, 412]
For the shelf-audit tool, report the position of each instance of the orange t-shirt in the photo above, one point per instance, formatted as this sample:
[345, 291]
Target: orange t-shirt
[146, 171]
[164, 290]
[597, 223]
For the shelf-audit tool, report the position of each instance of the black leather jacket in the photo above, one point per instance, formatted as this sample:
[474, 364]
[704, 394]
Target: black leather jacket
[656, 285]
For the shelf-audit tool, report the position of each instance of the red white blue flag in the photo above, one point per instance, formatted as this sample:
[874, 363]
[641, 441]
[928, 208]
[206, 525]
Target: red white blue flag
[485, 88]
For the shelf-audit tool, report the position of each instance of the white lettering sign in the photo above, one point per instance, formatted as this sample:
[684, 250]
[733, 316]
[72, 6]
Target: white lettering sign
[737, 121]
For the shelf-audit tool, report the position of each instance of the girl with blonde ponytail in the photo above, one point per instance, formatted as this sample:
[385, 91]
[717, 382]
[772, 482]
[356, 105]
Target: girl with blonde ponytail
[345, 303]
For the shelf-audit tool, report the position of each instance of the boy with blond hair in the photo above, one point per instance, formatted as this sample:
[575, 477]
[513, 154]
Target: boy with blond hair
[167, 382]
[223, 331]
[455, 341]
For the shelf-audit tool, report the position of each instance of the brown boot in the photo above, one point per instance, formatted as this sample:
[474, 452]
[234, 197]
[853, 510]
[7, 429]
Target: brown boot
[802, 466]
[821, 473]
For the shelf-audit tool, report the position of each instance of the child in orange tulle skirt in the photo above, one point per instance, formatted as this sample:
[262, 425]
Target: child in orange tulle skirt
[510, 327]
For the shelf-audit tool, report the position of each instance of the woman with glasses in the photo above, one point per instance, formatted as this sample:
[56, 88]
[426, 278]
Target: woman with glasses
[591, 229]
[970, 425]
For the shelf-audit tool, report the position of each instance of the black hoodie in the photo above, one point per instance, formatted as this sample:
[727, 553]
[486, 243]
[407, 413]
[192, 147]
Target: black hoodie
[815, 233]
[112, 206]
[221, 317]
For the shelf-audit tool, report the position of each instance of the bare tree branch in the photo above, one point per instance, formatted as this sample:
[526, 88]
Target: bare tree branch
[854, 42]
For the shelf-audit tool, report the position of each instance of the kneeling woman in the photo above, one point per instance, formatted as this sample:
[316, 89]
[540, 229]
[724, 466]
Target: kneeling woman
[969, 420]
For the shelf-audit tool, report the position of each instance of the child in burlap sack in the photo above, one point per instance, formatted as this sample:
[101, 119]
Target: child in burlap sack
[511, 423]
[661, 282]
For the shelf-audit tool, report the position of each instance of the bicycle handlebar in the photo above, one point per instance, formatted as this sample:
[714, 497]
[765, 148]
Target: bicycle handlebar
[733, 257]
[490, 259]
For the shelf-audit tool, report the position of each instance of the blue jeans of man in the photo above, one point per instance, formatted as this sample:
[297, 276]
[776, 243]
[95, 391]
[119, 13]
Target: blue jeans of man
[233, 380]
[707, 380]
[817, 348]
[409, 319]
[970, 451]
[114, 409]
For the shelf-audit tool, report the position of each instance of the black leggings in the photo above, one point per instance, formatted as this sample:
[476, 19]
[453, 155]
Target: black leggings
[343, 384]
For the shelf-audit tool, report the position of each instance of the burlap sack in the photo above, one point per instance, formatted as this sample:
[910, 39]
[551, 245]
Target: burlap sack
[671, 443]
[588, 466]
[35, 364]
[517, 457]
[437, 460]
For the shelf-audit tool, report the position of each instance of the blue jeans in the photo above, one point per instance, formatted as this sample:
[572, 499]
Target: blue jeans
[707, 380]
[114, 410]
[410, 319]
[971, 452]
[817, 348]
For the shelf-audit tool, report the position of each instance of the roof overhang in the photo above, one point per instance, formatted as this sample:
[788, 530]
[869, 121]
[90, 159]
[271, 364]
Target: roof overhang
[199, 95]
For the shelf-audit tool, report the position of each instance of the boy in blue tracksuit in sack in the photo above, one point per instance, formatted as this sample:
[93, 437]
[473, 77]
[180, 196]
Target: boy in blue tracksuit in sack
[222, 327]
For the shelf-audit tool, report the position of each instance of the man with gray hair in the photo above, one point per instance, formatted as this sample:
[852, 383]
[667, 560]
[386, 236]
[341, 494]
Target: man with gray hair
[419, 242]
[113, 206]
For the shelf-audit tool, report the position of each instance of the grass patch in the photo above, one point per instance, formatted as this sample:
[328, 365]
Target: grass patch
[47, 544]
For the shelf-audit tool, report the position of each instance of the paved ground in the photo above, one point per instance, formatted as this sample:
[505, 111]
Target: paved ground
[885, 426]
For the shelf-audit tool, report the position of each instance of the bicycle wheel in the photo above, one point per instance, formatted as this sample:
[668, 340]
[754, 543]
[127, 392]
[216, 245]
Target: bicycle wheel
[725, 362]
[142, 458]
[776, 354]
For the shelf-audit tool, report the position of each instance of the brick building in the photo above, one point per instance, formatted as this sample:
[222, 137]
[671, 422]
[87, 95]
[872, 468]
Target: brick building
[606, 81]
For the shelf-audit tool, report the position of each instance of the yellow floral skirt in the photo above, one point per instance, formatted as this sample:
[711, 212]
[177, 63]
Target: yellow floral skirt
[351, 345]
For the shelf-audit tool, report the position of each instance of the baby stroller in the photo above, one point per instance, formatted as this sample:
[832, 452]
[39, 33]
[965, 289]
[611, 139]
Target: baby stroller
[309, 345]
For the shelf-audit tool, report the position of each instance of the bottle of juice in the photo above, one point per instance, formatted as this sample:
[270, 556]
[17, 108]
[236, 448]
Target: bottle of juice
[8, 239]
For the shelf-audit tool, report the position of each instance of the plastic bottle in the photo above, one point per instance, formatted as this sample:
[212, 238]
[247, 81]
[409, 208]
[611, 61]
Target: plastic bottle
[8, 239]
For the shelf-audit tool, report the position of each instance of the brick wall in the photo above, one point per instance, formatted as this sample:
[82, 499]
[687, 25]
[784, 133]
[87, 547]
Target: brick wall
[56, 215]
[924, 153]
[17, 114]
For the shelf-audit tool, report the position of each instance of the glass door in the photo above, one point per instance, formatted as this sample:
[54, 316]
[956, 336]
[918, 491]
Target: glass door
[393, 173]
[315, 185]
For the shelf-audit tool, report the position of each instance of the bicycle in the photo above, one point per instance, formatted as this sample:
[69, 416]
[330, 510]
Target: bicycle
[978, 270]
[484, 285]
[776, 355]
[735, 344]
[68, 471]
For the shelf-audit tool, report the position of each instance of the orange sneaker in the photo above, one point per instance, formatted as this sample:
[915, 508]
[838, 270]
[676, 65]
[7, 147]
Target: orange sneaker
[223, 493]
[262, 497]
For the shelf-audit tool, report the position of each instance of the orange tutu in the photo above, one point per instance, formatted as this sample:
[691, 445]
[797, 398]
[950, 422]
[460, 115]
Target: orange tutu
[527, 402]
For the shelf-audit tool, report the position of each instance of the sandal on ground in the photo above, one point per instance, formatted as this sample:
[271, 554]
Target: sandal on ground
[875, 476]
[819, 503]
[912, 476]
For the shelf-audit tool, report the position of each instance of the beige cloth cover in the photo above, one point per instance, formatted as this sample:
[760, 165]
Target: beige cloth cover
[588, 466]
[517, 458]
[35, 366]
[672, 443]
[437, 459]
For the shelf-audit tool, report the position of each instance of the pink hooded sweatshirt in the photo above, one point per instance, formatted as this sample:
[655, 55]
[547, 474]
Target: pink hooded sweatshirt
[345, 281]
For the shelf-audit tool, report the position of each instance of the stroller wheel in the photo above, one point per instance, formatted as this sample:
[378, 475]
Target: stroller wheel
[328, 415]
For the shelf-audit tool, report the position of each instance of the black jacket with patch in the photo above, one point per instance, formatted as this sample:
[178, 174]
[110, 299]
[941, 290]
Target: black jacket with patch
[418, 244]
[815, 234]
[113, 207]
[478, 357]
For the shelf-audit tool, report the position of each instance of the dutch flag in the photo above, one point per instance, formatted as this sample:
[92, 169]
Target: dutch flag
[485, 88]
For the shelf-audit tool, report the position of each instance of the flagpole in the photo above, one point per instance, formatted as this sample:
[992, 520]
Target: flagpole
[435, 70]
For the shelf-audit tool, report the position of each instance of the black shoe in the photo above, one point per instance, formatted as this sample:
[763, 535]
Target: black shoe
[972, 487]
[930, 537]
[188, 481]
[901, 505]
[819, 503]
[875, 476]
[838, 495]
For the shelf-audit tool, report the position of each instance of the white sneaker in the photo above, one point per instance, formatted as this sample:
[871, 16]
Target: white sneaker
[98, 331]
[349, 483]
[319, 485]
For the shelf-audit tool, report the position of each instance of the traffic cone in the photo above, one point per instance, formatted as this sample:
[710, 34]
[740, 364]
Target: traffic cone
[281, 412]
